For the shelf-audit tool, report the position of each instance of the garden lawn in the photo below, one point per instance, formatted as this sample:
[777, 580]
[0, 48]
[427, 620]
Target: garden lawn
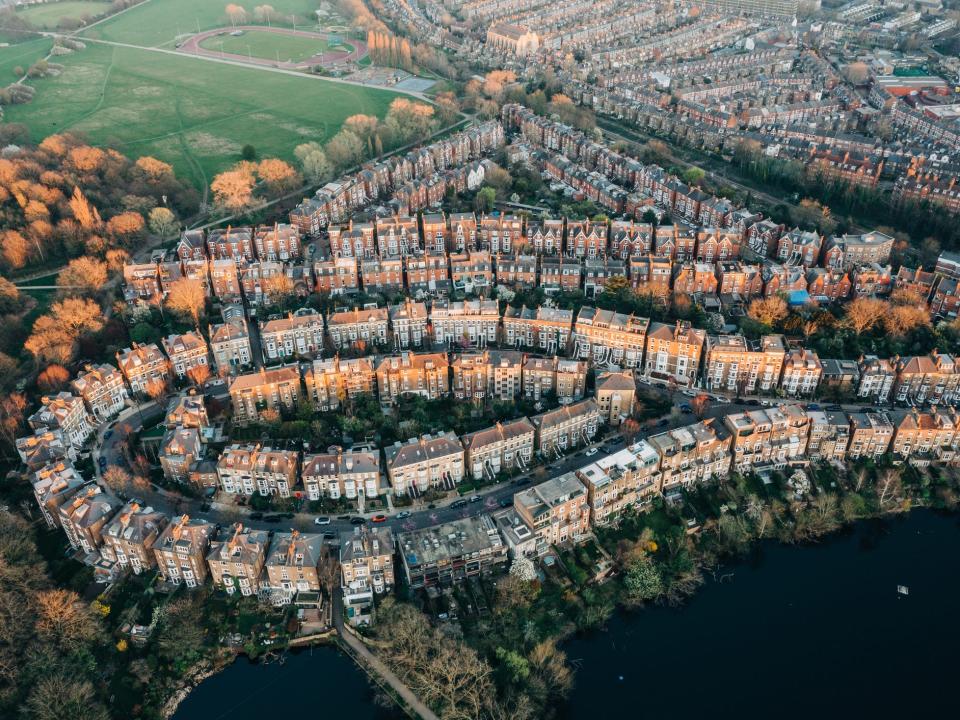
[49, 14]
[196, 114]
[157, 23]
[268, 45]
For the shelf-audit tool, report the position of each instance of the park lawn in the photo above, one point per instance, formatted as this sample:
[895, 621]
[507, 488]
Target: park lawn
[195, 114]
[48, 15]
[157, 23]
[23, 55]
[268, 45]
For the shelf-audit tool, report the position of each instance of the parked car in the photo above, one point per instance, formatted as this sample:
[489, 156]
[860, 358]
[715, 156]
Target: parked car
[475, 498]
[403, 514]
[505, 502]
[685, 407]
[458, 503]
[343, 517]
[321, 520]
[102, 462]
[329, 536]
[358, 521]
[813, 406]
[286, 515]
[256, 516]
[108, 434]
[591, 452]
[522, 481]
[379, 518]
[272, 518]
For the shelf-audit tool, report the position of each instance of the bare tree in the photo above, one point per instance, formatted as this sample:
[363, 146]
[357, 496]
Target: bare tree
[186, 296]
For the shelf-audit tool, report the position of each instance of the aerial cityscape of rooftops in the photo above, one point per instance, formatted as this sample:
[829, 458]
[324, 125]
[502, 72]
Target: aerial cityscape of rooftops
[440, 331]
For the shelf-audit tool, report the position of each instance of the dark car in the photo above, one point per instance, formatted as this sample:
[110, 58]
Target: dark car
[103, 462]
[752, 402]
[813, 406]
[834, 408]
[256, 516]
[358, 521]
[286, 515]
[343, 517]
[272, 518]
[329, 536]
[522, 481]
[108, 434]
[685, 407]
[505, 502]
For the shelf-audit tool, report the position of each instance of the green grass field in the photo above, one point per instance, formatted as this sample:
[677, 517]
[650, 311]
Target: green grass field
[264, 44]
[23, 55]
[157, 22]
[195, 114]
[49, 14]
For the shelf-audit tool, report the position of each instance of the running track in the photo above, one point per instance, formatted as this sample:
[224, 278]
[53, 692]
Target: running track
[192, 47]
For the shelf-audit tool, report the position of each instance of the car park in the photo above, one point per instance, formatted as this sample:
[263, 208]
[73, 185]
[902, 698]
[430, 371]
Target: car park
[321, 520]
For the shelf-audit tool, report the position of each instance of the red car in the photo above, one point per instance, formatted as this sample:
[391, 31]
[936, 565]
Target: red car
[379, 518]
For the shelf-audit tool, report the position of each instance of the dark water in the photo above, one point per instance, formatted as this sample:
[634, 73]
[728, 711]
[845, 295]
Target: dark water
[798, 632]
[312, 683]
[809, 632]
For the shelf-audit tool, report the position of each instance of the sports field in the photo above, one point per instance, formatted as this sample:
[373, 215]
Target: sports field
[269, 45]
[193, 113]
[49, 14]
[156, 23]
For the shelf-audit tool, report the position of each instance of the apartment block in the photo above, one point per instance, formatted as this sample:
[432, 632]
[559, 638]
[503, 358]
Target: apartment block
[877, 377]
[926, 379]
[490, 375]
[43, 447]
[53, 485]
[693, 454]
[615, 395]
[625, 479]
[543, 328]
[180, 448]
[230, 345]
[236, 563]
[298, 334]
[129, 537]
[449, 553]
[925, 437]
[424, 374]
[181, 550]
[556, 510]
[84, 516]
[409, 321]
[772, 437]
[331, 382]
[245, 469]
[358, 328]
[420, 464]
[64, 412]
[366, 569]
[102, 389]
[186, 352]
[500, 448]
[280, 242]
[469, 323]
[734, 364]
[144, 367]
[472, 272]
[344, 473]
[673, 352]
[605, 336]
[567, 427]
[870, 435]
[336, 275]
[802, 371]
[292, 567]
[276, 389]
